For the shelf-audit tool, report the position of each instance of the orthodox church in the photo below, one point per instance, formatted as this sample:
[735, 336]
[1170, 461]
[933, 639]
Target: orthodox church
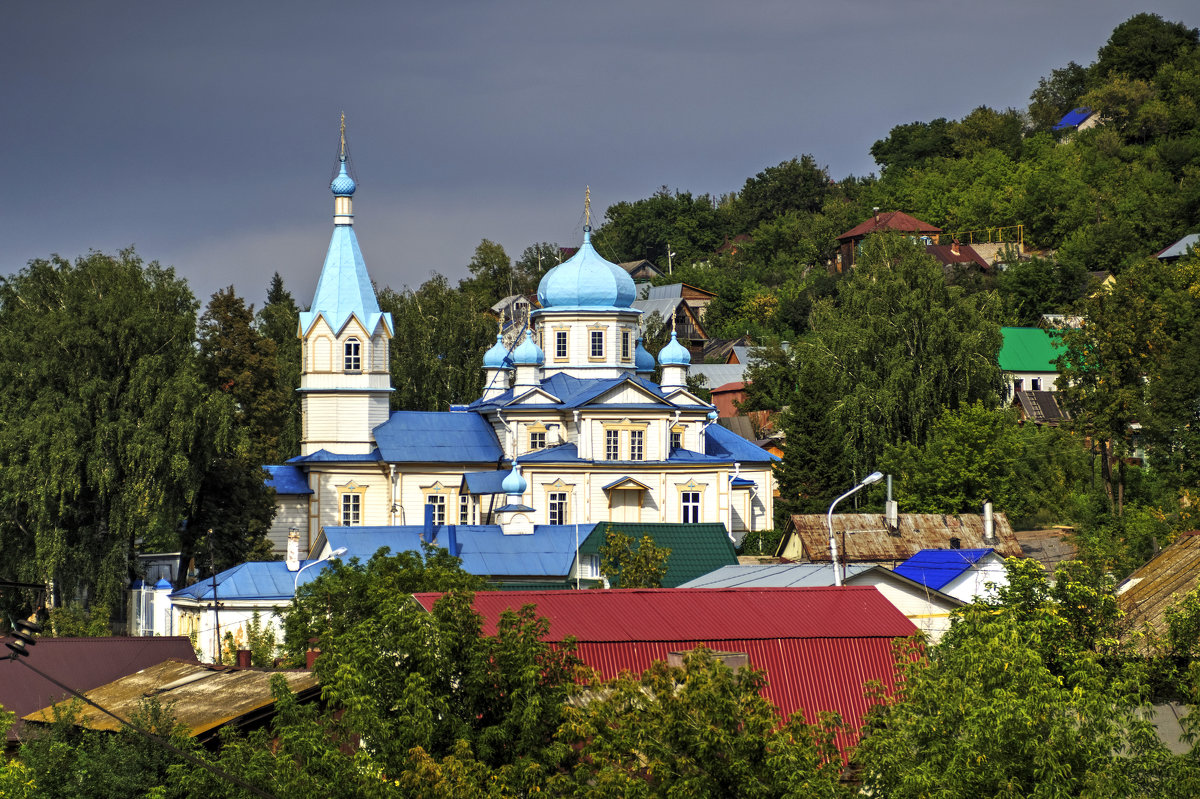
[570, 430]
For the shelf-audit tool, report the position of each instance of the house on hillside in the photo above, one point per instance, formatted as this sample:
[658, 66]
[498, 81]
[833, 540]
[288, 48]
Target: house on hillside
[965, 574]
[1027, 359]
[1081, 118]
[819, 647]
[1180, 248]
[642, 271]
[959, 260]
[681, 313]
[927, 608]
[892, 220]
[868, 538]
[81, 663]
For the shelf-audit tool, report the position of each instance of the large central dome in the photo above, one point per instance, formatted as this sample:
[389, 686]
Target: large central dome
[586, 280]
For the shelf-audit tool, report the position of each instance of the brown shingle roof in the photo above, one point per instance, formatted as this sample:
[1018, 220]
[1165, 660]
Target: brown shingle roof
[892, 220]
[945, 253]
[865, 537]
[1148, 592]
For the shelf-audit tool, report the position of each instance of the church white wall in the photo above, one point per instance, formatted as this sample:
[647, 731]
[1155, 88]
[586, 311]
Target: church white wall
[290, 511]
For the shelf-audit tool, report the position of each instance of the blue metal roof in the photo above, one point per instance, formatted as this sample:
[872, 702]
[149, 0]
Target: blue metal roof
[484, 548]
[586, 280]
[325, 456]
[741, 482]
[937, 567]
[439, 437]
[1073, 118]
[287, 479]
[726, 444]
[484, 482]
[344, 289]
[257, 580]
[1180, 248]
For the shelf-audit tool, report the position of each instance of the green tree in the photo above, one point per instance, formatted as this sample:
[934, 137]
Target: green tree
[279, 321]
[492, 277]
[692, 226]
[1142, 44]
[914, 145]
[629, 566]
[1057, 94]
[440, 337]
[793, 185]
[535, 261]
[107, 426]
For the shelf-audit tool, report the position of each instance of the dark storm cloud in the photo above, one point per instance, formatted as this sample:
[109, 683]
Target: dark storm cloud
[205, 133]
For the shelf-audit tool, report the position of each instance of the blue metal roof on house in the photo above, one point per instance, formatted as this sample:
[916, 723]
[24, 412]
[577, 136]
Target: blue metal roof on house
[575, 392]
[1180, 248]
[325, 456]
[287, 479]
[484, 482]
[257, 580]
[1073, 118]
[484, 548]
[937, 567]
[431, 436]
[728, 445]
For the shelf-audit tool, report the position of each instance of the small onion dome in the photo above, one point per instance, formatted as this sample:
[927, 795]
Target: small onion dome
[528, 353]
[674, 354]
[642, 360]
[343, 185]
[497, 356]
[585, 280]
[514, 484]
[713, 416]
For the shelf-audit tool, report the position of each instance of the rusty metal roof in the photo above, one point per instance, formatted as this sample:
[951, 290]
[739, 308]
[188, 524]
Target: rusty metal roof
[203, 697]
[864, 537]
[891, 220]
[82, 663]
[1048, 547]
[1146, 594]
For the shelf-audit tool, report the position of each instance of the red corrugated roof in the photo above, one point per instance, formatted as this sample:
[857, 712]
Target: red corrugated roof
[818, 646]
[892, 220]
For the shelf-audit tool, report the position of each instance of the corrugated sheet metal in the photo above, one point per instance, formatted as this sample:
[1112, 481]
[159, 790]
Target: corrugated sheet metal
[818, 646]
[202, 697]
[1073, 118]
[1047, 547]
[773, 575]
[251, 581]
[1147, 593]
[722, 443]
[891, 220]
[431, 437]
[1028, 349]
[696, 549]
[936, 567]
[83, 664]
[865, 537]
[287, 479]
[1180, 248]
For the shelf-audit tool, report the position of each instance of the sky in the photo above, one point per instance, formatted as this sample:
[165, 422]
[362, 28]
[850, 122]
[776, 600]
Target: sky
[206, 134]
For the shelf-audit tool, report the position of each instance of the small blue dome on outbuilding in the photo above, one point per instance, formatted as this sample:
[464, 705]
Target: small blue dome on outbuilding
[514, 484]
[674, 354]
[528, 353]
[585, 280]
[343, 185]
[497, 356]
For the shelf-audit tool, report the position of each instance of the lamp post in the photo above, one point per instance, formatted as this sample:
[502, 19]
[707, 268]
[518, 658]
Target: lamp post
[873, 477]
[337, 553]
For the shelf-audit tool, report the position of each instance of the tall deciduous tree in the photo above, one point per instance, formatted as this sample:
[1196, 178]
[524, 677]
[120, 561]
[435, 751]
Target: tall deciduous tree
[106, 422]
[797, 185]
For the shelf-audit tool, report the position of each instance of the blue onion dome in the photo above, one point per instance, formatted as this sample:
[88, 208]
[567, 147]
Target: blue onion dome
[674, 354]
[643, 361]
[713, 416]
[497, 356]
[513, 483]
[585, 280]
[528, 353]
[343, 185]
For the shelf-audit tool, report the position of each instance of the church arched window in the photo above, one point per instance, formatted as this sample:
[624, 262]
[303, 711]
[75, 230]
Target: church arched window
[353, 351]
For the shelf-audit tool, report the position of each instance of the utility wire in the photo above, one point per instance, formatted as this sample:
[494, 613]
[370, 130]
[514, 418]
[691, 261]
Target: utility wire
[158, 739]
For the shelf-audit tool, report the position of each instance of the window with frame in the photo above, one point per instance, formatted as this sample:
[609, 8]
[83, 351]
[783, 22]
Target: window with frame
[556, 507]
[1035, 384]
[1018, 384]
[438, 501]
[465, 508]
[353, 355]
[589, 567]
[612, 445]
[597, 350]
[537, 439]
[690, 503]
[637, 440]
[625, 350]
[351, 509]
[676, 439]
[560, 345]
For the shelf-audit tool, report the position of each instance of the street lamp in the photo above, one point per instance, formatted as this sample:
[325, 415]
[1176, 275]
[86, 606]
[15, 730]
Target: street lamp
[873, 477]
[337, 553]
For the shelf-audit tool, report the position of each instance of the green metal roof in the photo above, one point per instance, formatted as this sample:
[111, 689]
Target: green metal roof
[1028, 349]
[696, 549]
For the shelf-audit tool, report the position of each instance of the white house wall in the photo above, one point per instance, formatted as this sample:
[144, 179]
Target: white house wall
[928, 614]
[190, 618]
[974, 581]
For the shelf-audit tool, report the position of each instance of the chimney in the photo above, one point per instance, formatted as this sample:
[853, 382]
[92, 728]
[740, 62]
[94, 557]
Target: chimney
[311, 654]
[989, 524]
[243, 658]
[954, 248]
[293, 550]
[891, 509]
[451, 539]
[427, 533]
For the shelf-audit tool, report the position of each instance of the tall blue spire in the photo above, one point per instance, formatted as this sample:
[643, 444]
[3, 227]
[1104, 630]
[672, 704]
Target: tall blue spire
[344, 289]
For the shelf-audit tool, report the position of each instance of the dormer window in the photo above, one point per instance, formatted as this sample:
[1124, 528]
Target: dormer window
[353, 353]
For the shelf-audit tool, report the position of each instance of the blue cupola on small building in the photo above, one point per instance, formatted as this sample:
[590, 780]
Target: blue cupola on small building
[674, 359]
[528, 359]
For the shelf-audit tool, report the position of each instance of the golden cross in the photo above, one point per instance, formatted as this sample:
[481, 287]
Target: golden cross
[587, 207]
[342, 154]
